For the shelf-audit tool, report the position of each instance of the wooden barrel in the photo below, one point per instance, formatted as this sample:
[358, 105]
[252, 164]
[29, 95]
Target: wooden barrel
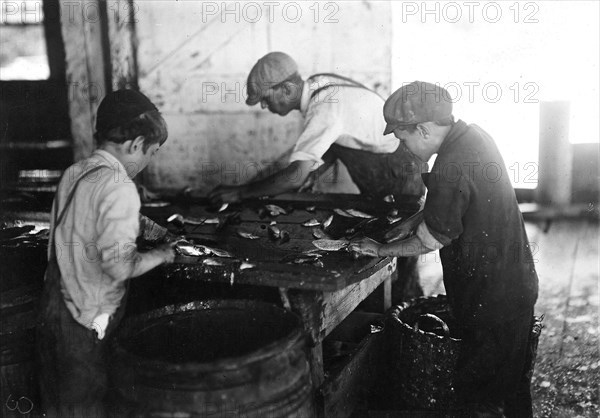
[18, 378]
[218, 358]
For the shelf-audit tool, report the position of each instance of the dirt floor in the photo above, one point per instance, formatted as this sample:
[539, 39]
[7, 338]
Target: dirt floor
[566, 382]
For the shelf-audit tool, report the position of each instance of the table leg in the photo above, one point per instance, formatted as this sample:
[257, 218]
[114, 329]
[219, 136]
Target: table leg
[309, 305]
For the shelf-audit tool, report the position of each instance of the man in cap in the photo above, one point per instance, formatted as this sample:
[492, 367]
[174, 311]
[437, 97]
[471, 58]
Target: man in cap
[471, 215]
[342, 120]
[92, 253]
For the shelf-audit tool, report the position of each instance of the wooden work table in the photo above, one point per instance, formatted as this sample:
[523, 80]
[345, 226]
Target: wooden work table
[323, 296]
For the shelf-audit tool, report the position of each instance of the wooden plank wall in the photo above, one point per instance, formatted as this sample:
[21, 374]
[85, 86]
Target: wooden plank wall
[82, 34]
[193, 61]
[100, 57]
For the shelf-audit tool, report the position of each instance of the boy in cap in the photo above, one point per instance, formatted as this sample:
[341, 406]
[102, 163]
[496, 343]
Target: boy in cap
[342, 120]
[92, 254]
[471, 215]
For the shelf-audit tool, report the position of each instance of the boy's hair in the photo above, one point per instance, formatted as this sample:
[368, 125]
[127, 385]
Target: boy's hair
[447, 121]
[150, 125]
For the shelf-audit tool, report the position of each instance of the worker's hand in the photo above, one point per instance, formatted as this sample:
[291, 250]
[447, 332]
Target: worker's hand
[172, 238]
[167, 252]
[99, 324]
[365, 246]
[225, 194]
[404, 229]
[309, 183]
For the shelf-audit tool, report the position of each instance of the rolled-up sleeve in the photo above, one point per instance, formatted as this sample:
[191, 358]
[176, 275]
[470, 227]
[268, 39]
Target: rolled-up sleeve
[446, 203]
[427, 238]
[322, 127]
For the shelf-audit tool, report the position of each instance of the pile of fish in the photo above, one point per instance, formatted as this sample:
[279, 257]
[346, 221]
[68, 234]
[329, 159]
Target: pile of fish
[213, 256]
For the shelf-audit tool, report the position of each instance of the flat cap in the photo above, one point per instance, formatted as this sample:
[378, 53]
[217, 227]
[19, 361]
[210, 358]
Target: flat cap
[120, 107]
[414, 103]
[270, 70]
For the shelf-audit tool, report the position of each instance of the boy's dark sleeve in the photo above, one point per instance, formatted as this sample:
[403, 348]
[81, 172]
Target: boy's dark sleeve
[447, 202]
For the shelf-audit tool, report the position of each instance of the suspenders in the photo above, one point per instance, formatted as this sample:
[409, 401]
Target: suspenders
[347, 82]
[58, 219]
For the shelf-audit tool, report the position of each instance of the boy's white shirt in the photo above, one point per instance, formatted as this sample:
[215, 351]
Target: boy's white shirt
[96, 239]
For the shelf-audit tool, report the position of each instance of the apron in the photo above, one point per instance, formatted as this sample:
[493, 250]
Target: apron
[377, 174]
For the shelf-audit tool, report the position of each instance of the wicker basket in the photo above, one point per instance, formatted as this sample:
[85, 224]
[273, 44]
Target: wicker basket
[423, 363]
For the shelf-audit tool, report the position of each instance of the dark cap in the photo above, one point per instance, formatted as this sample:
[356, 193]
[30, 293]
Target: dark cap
[414, 103]
[120, 107]
[272, 69]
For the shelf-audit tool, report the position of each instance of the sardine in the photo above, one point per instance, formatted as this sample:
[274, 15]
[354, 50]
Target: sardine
[305, 257]
[358, 214]
[311, 222]
[393, 212]
[308, 260]
[214, 251]
[275, 210]
[177, 218]
[223, 207]
[389, 198]
[319, 233]
[212, 262]
[247, 235]
[190, 250]
[220, 253]
[245, 265]
[155, 204]
[195, 221]
[274, 232]
[393, 219]
[331, 244]
[311, 208]
[327, 222]
[313, 252]
[343, 213]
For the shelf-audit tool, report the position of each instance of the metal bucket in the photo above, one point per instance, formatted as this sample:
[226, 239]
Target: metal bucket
[213, 358]
[423, 363]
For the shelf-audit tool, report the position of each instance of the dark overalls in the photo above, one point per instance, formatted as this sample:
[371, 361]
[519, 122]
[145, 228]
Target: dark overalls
[72, 360]
[380, 174]
[377, 174]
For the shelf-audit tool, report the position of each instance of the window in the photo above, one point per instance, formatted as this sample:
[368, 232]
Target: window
[23, 53]
[499, 60]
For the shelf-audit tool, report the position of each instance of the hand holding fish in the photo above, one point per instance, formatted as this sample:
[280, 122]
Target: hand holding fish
[365, 246]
